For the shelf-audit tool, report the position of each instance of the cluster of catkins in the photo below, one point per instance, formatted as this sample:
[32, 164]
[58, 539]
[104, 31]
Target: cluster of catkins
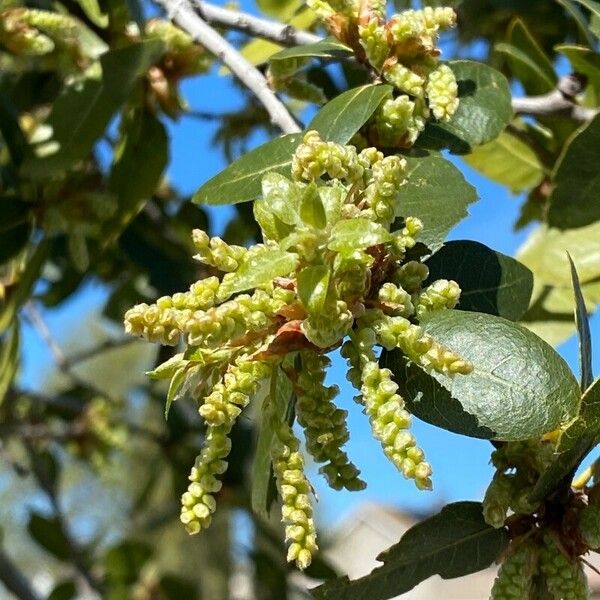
[403, 52]
[547, 555]
[330, 274]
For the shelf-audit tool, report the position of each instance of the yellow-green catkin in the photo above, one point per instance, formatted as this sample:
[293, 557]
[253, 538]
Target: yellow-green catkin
[217, 253]
[385, 408]
[564, 576]
[294, 490]
[324, 424]
[220, 410]
[515, 577]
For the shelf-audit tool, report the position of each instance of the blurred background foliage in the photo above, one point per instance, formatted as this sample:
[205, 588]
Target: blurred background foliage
[91, 471]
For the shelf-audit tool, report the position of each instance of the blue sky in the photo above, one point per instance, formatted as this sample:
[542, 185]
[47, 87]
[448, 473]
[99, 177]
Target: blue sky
[461, 469]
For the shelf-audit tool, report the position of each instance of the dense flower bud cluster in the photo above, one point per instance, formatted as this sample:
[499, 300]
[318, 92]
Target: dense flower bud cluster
[329, 270]
[217, 253]
[294, 489]
[515, 577]
[403, 51]
[564, 577]
[324, 424]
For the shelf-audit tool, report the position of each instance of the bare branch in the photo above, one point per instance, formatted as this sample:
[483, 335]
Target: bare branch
[14, 580]
[280, 33]
[201, 32]
[560, 101]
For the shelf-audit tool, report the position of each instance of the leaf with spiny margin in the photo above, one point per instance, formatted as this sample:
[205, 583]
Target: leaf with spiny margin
[574, 199]
[328, 48]
[519, 388]
[277, 408]
[490, 281]
[455, 542]
[483, 112]
[241, 180]
[582, 434]
[528, 62]
[437, 193]
[508, 161]
[343, 116]
[313, 284]
[583, 331]
[259, 267]
[81, 114]
[349, 235]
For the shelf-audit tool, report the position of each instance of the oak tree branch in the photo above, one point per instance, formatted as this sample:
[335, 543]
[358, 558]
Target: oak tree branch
[201, 32]
[560, 101]
[280, 33]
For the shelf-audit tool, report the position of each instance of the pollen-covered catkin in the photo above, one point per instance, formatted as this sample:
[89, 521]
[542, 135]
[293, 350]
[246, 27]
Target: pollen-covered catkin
[564, 576]
[232, 394]
[324, 424]
[217, 253]
[198, 502]
[515, 577]
[294, 490]
[385, 408]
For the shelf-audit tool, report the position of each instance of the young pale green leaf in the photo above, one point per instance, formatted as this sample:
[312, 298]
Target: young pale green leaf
[583, 330]
[281, 197]
[349, 235]
[574, 444]
[280, 9]
[82, 112]
[277, 408]
[177, 381]
[259, 267]
[167, 369]
[483, 113]
[490, 282]
[312, 210]
[437, 193]
[241, 180]
[520, 387]
[455, 542]
[509, 161]
[330, 48]
[341, 118]
[272, 226]
[527, 61]
[9, 360]
[574, 200]
[313, 283]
